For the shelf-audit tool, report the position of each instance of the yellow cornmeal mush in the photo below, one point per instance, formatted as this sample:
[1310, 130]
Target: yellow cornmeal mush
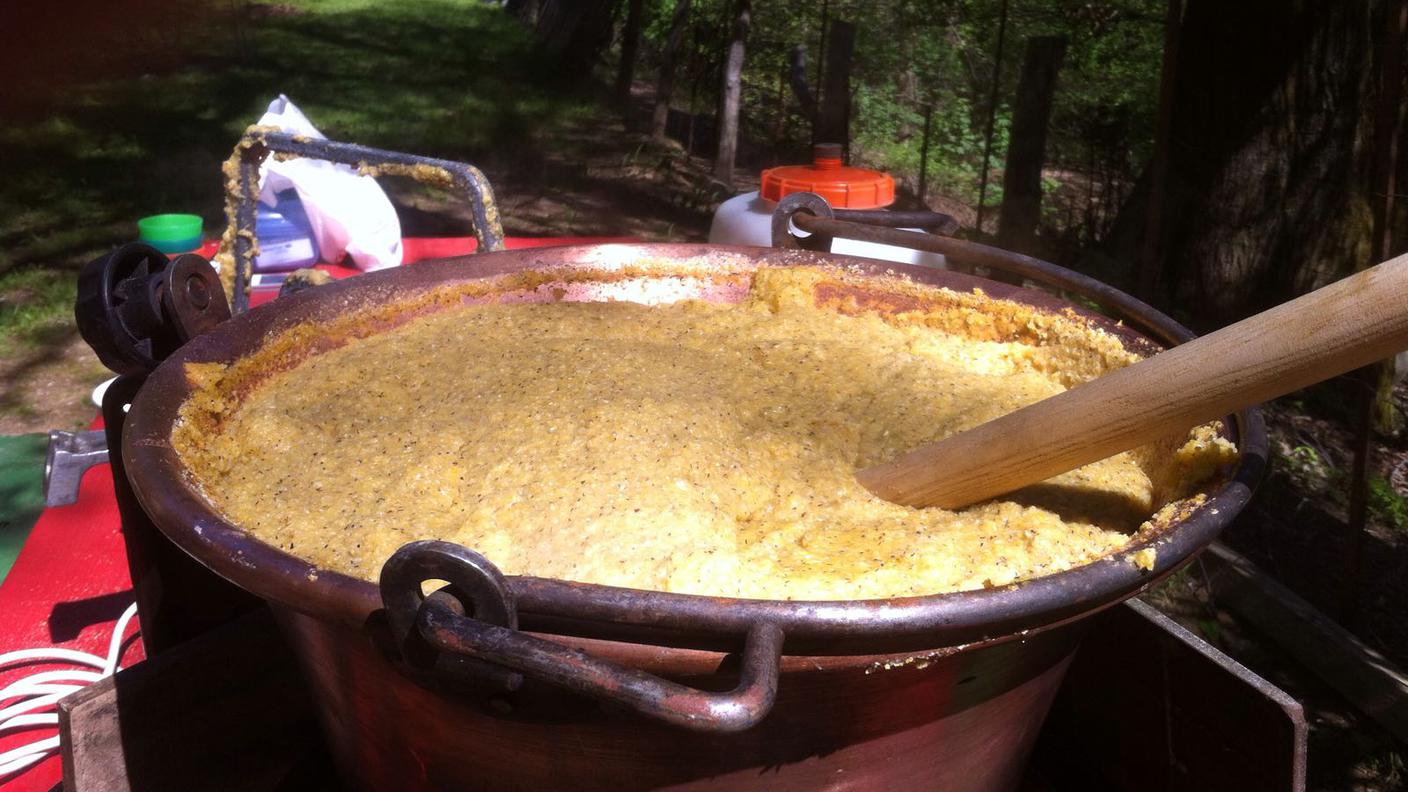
[691, 447]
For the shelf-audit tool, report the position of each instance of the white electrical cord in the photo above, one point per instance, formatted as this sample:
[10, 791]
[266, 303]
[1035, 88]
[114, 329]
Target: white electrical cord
[36, 695]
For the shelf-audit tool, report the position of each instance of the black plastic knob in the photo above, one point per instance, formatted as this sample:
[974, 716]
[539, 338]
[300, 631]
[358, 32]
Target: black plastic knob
[135, 306]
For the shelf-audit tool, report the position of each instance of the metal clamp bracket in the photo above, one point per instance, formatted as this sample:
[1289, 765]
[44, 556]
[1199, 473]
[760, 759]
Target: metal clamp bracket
[257, 144]
[69, 456]
[473, 619]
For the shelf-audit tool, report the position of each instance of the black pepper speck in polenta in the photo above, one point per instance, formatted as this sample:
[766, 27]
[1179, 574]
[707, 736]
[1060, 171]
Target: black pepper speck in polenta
[692, 447]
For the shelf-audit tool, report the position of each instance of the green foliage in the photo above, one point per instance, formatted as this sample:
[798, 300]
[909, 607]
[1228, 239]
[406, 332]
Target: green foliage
[1389, 768]
[890, 138]
[1211, 629]
[910, 54]
[1314, 474]
[1311, 471]
[1387, 505]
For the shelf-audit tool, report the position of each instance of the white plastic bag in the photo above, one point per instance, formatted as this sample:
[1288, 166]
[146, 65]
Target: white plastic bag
[349, 214]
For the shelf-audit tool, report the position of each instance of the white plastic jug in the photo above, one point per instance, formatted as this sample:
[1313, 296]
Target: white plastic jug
[747, 219]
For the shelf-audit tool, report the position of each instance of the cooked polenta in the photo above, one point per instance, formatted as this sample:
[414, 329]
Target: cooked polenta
[688, 447]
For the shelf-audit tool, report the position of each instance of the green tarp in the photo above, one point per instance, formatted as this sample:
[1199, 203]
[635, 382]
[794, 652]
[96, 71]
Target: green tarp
[21, 492]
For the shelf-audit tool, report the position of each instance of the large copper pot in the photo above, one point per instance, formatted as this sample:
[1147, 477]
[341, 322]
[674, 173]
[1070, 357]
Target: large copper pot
[943, 692]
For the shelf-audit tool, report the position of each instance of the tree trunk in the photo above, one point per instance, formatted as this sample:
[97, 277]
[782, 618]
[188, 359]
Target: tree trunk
[574, 32]
[665, 87]
[1388, 134]
[797, 76]
[832, 119]
[992, 115]
[630, 46]
[732, 94]
[526, 10]
[1026, 147]
[1269, 173]
[1375, 395]
[780, 107]
[924, 155]
[908, 81]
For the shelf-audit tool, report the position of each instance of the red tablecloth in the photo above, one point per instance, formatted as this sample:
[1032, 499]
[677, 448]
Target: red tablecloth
[67, 588]
[422, 248]
[70, 582]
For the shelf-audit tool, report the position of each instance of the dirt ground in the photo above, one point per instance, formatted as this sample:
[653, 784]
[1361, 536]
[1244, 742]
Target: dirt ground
[49, 388]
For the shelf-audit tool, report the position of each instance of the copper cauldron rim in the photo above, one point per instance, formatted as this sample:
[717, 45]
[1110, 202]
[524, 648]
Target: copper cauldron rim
[596, 611]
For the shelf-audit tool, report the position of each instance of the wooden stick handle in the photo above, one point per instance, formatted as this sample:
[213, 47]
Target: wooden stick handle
[1346, 325]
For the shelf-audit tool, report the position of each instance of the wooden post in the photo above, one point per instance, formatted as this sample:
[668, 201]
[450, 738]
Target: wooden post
[693, 72]
[821, 58]
[1090, 222]
[797, 76]
[780, 107]
[1369, 378]
[924, 155]
[1026, 147]
[630, 45]
[1152, 280]
[992, 115]
[666, 84]
[732, 96]
[833, 115]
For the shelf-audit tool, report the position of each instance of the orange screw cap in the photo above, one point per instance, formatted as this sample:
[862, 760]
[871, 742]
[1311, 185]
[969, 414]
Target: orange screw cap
[842, 186]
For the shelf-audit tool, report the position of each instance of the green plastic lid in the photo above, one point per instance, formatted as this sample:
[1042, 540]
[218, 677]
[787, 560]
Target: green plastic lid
[171, 233]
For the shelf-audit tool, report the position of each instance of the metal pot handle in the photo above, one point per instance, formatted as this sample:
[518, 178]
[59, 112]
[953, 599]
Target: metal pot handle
[810, 213]
[258, 143]
[471, 627]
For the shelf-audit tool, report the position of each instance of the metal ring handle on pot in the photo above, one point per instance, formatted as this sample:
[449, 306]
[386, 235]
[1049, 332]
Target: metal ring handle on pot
[810, 213]
[924, 220]
[484, 629]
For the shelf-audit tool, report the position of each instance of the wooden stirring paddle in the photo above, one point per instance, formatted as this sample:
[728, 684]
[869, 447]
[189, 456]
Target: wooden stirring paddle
[1346, 325]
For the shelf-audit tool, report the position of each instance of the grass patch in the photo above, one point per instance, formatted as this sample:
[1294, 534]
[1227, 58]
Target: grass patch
[35, 303]
[94, 136]
[449, 78]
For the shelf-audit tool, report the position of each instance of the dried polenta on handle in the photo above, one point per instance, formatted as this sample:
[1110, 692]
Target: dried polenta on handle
[1348, 324]
[303, 279]
[235, 195]
[239, 245]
